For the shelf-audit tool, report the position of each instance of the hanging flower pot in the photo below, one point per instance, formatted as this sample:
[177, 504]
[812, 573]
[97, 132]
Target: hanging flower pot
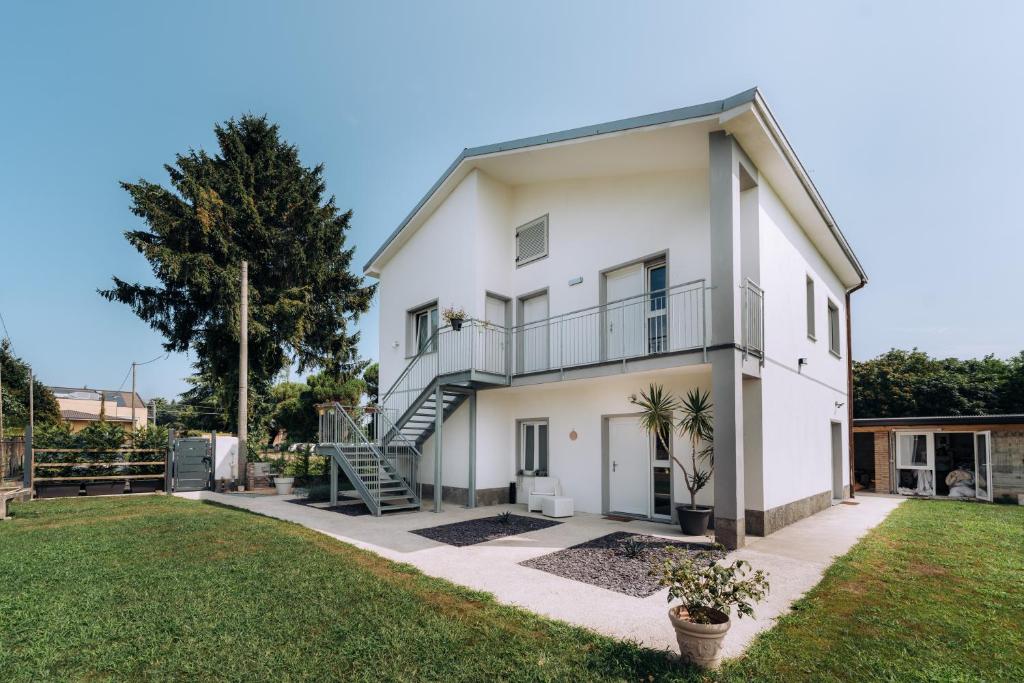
[455, 317]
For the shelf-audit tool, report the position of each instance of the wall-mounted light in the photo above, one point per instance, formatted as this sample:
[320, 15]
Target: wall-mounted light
[394, 344]
[575, 281]
[800, 363]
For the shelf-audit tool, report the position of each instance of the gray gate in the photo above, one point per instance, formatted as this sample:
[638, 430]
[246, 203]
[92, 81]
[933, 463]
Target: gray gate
[191, 464]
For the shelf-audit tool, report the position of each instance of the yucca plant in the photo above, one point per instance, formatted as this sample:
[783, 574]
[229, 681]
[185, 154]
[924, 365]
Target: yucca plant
[662, 413]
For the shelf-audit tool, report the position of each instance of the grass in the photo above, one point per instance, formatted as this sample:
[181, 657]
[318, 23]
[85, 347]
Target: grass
[161, 588]
[935, 593]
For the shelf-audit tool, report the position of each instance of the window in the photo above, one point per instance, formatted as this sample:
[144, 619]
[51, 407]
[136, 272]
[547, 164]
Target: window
[532, 241]
[423, 325]
[913, 452]
[810, 308]
[533, 446]
[833, 328]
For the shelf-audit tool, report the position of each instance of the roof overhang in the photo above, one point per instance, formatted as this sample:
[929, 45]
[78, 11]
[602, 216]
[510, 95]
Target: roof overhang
[745, 116]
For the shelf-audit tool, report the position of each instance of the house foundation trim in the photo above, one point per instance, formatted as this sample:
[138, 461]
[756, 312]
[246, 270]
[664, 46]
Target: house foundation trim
[459, 495]
[764, 522]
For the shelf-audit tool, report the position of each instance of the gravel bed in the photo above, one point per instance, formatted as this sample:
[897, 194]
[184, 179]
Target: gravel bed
[353, 509]
[602, 562]
[475, 531]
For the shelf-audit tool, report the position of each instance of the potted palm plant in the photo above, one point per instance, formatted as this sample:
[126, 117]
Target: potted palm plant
[455, 317]
[695, 423]
[708, 591]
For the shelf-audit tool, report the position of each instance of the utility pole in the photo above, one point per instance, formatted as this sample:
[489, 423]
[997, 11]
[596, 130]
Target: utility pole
[243, 376]
[133, 398]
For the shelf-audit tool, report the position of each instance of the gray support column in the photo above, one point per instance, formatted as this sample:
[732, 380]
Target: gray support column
[438, 444]
[726, 361]
[471, 496]
[332, 466]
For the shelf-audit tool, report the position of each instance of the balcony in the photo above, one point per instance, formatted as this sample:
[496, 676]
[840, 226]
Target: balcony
[665, 321]
[659, 323]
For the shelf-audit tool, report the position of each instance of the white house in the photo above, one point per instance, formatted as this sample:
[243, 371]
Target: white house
[687, 248]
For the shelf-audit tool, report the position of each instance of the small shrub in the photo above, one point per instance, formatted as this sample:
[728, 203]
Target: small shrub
[505, 518]
[702, 584]
[633, 548]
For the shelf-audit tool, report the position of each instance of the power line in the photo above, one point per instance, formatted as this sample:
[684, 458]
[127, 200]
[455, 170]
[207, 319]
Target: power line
[7, 335]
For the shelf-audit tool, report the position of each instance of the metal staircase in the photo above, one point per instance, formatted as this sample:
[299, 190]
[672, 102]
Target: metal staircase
[382, 471]
[378, 447]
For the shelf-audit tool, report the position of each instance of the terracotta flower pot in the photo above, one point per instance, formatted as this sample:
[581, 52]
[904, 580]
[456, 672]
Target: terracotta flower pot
[700, 644]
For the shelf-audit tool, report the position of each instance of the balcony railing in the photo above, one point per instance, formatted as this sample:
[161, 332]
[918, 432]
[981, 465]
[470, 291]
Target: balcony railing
[663, 321]
[479, 346]
[752, 299]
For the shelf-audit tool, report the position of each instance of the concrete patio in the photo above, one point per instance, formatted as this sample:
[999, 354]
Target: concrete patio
[795, 559]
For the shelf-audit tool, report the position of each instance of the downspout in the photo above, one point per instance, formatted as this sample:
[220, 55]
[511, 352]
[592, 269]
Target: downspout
[849, 384]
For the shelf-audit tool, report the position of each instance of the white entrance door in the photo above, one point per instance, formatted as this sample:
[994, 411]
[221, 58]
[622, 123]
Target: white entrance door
[534, 336]
[624, 317]
[629, 466]
[983, 465]
[494, 336]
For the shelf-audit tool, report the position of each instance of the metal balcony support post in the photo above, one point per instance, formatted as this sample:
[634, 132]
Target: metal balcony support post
[438, 443]
[471, 496]
[332, 465]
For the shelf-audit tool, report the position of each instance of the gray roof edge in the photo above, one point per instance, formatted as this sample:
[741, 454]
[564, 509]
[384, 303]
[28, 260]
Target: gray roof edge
[646, 120]
[938, 420]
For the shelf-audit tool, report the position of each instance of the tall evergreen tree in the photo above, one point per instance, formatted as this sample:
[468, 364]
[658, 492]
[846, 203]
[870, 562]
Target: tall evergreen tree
[254, 200]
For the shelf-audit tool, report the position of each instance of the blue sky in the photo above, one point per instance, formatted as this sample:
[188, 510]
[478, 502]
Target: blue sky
[904, 113]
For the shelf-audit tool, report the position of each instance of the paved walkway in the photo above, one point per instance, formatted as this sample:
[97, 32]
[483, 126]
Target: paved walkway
[794, 557]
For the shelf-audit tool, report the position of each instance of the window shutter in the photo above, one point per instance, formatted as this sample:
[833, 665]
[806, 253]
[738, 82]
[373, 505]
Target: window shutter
[532, 241]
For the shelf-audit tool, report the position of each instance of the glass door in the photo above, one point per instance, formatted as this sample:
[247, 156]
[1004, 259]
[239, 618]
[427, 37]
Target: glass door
[915, 463]
[983, 465]
[657, 308]
[661, 479]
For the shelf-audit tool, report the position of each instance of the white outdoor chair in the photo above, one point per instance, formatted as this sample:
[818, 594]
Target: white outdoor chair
[543, 487]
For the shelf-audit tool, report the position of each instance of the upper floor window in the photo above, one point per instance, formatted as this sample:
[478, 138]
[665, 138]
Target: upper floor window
[422, 329]
[833, 328]
[532, 241]
[810, 308]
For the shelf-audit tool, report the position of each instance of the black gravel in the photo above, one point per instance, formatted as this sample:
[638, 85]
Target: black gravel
[353, 509]
[602, 562]
[475, 531]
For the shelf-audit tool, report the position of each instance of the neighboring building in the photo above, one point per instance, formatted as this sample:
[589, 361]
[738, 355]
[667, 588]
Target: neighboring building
[687, 248]
[81, 406]
[965, 456]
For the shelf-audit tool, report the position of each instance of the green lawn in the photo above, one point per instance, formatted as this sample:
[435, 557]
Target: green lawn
[935, 593]
[161, 588]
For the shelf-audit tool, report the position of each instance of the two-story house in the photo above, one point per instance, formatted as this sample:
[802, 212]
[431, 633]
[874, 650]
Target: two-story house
[687, 248]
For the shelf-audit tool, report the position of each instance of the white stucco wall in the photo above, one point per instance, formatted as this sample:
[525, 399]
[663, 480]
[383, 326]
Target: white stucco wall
[568, 406]
[467, 248]
[798, 406]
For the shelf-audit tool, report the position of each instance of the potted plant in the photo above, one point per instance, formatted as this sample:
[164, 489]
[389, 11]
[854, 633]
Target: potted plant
[455, 317]
[696, 425]
[284, 482]
[707, 591]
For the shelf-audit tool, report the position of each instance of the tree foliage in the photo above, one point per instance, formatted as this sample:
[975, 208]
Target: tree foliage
[902, 383]
[14, 377]
[253, 200]
[295, 404]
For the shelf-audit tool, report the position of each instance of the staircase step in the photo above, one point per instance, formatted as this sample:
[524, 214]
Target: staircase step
[403, 506]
